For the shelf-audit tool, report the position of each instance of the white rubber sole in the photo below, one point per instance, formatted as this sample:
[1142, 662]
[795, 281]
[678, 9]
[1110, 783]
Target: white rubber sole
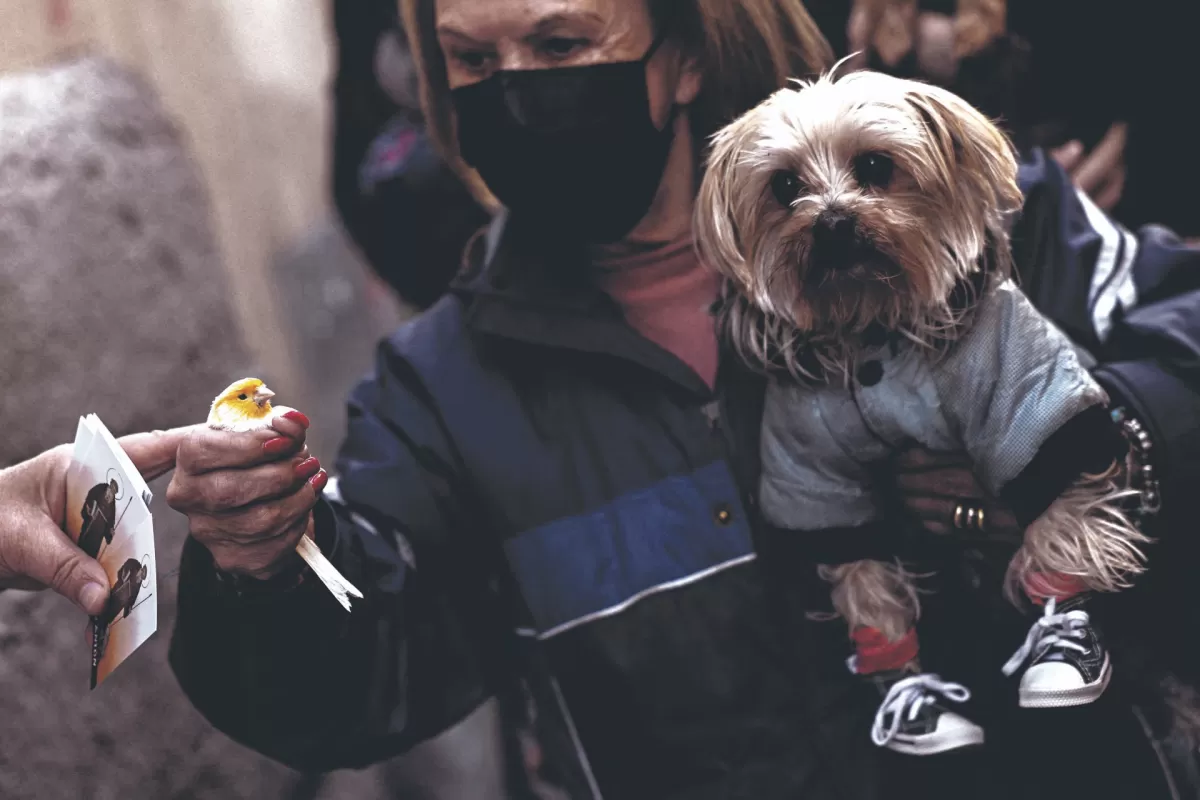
[1065, 698]
[931, 746]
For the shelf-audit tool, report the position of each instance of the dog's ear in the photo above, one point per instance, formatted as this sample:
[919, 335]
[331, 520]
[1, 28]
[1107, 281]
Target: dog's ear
[721, 200]
[971, 154]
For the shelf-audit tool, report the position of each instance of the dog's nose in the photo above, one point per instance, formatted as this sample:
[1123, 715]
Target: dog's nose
[833, 238]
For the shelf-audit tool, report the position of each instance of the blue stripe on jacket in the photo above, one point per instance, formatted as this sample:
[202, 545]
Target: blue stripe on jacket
[674, 532]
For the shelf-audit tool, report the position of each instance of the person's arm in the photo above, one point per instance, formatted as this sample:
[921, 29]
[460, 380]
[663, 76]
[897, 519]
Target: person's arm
[1131, 299]
[1029, 415]
[279, 666]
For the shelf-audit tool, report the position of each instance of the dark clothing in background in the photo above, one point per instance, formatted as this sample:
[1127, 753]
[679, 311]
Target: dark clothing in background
[530, 490]
[405, 209]
[1069, 69]
[1156, 66]
[1090, 66]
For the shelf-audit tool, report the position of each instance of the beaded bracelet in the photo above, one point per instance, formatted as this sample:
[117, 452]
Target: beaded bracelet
[1142, 477]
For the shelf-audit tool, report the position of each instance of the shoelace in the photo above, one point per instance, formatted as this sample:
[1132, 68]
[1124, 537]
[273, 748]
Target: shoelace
[1052, 630]
[907, 697]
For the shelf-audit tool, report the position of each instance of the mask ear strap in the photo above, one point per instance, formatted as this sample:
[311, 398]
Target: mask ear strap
[657, 43]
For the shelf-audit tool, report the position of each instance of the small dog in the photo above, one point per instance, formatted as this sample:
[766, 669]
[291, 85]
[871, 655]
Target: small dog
[861, 224]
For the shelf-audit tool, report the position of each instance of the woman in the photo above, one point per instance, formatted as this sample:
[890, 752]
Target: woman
[549, 482]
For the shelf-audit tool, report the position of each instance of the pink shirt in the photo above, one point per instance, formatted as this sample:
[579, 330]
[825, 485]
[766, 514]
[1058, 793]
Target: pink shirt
[666, 294]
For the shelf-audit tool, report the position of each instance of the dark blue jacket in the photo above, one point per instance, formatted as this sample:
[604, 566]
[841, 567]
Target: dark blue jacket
[532, 494]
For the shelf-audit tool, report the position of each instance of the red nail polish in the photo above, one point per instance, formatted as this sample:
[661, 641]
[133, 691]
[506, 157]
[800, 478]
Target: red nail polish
[298, 418]
[274, 447]
[319, 480]
[307, 468]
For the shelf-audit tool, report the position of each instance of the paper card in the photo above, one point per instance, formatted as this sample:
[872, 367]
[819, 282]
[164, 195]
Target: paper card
[139, 484]
[84, 433]
[109, 520]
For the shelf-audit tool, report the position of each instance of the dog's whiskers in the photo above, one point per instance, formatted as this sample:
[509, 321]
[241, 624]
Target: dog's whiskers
[920, 236]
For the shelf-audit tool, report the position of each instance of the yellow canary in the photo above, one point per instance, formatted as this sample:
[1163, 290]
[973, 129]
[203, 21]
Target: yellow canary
[246, 406]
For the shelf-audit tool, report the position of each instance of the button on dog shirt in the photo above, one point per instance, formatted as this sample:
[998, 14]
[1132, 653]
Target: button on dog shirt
[870, 373]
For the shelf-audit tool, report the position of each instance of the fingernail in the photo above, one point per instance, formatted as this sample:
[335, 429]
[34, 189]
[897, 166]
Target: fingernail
[298, 418]
[307, 468]
[319, 480]
[92, 597]
[274, 447]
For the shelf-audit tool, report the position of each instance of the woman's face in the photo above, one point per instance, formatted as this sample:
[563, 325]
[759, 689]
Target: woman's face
[479, 37]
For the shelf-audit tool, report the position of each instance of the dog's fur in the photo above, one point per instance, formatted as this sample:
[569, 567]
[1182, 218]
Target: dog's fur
[954, 190]
[919, 239]
[874, 594]
[1085, 534]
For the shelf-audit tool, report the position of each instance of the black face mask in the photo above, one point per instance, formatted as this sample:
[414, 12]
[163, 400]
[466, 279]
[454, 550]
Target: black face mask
[572, 148]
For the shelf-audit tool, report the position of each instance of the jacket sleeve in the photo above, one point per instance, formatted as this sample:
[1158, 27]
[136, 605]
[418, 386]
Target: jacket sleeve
[1029, 413]
[1132, 300]
[286, 671]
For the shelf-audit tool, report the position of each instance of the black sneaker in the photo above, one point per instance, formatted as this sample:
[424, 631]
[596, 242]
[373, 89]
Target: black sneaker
[1068, 664]
[912, 718]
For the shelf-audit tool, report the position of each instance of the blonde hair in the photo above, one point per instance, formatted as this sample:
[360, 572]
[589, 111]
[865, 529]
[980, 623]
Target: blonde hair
[747, 50]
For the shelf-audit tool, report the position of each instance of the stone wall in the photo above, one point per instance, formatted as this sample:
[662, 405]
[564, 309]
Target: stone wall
[112, 294]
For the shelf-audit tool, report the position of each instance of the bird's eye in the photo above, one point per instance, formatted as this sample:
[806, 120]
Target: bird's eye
[242, 397]
[786, 187]
[873, 170]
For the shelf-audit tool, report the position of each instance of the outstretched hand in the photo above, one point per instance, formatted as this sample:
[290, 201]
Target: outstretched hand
[35, 553]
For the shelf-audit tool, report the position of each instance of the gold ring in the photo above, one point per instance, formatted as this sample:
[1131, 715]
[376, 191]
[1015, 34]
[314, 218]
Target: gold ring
[968, 516]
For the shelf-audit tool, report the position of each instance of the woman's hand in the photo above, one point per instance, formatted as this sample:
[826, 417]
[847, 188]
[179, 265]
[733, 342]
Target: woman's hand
[1100, 173]
[248, 496]
[941, 491]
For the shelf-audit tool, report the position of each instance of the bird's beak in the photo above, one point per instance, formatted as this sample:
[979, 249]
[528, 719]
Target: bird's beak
[262, 394]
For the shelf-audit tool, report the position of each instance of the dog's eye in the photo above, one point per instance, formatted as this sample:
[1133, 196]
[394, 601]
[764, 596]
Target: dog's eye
[786, 187]
[873, 170]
